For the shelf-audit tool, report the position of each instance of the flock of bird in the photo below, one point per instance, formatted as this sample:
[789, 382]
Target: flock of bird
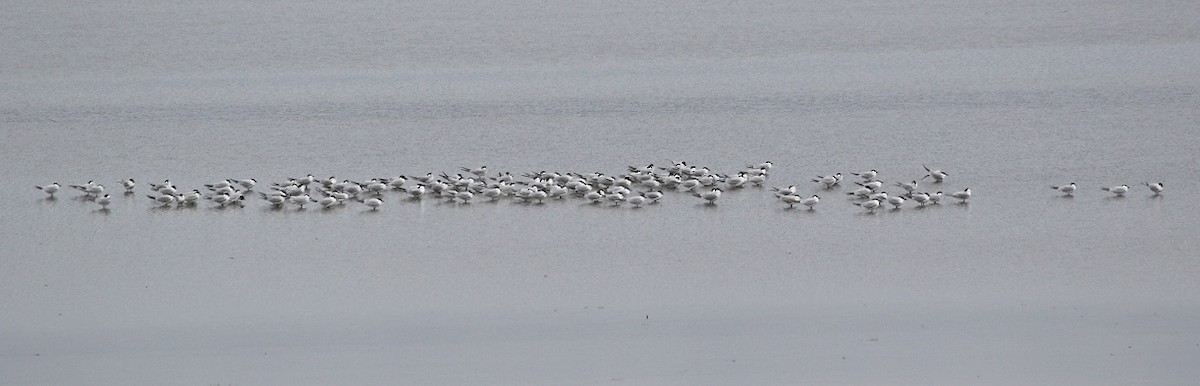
[637, 187]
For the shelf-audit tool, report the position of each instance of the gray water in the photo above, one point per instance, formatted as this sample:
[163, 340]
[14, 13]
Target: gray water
[1019, 286]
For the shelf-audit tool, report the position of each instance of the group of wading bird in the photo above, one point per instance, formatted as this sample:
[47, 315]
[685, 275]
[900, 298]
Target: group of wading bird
[637, 187]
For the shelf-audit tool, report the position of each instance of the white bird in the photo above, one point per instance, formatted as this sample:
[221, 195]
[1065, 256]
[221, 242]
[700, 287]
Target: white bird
[218, 185]
[156, 187]
[163, 199]
[873, 185]
[189, 198]
[1066, 189]
[637, 200]
[1157, 188]
[790, 190]
[49, 189]
[246, 183]
[480, 171]
[736, 181]
[300, 200]
[464, 196]
[223, 199]
[327, 201]
[829, 181]
[908, 186]
[710, 196]
[867, 175]
[417, 191]
[103, 201]
[615, 198]
[921, 198]
[937, 175]
[274, 199]
[869, 204]
[881, 196]
[790, 199]
[962, 196]
[861, 192]
[809, 202]
[373, 202]
[1117, 190]
[492, 192]
[654, 196]
[764, 165]
[936, 198]
[757, 179]
[128, 184]
[896, 201]
[538, 195]
[90, 189]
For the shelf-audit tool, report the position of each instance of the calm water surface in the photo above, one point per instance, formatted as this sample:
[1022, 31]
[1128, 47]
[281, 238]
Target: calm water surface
[1020, 286]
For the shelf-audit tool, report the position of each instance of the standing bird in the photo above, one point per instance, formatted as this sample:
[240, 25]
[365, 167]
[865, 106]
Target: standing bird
[53, 188]
[128, 184]
[790, 199]
[809, 202]
[1117, 190]
[937, 175]
[962, 196]
[1157, 188]
[373, 202]
[867, 175]
[1066, 189]
[710, 196]
[829, 181]
[103, 201]
[637, 200]
[869, 204]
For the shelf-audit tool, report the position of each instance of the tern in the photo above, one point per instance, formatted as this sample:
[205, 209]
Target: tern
[49, 189]
[936, 198]
[1157, 188]
[274, 199]
[909, 187]
[873, 185]
[654, 196]
[869, 204]
[809, 202]
[829, 181]
[373, 203]
[300, 200]
[861, 192]
[327, 201]
[710, 196]
[246, 183]
[480, 171]
[1117, 190]
[103, 201]
[764, 165]
[1066, 189]
[189, 198]
[757, 179]
[637, 200]
[128, 184]
[937, 175]
[921, 198]
[790, 190]
[867, 175]
[790, 199]
[896, 201]
[163, 199]
[962, 196]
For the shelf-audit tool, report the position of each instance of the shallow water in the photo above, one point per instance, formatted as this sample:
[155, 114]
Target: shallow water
[1019, 286]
